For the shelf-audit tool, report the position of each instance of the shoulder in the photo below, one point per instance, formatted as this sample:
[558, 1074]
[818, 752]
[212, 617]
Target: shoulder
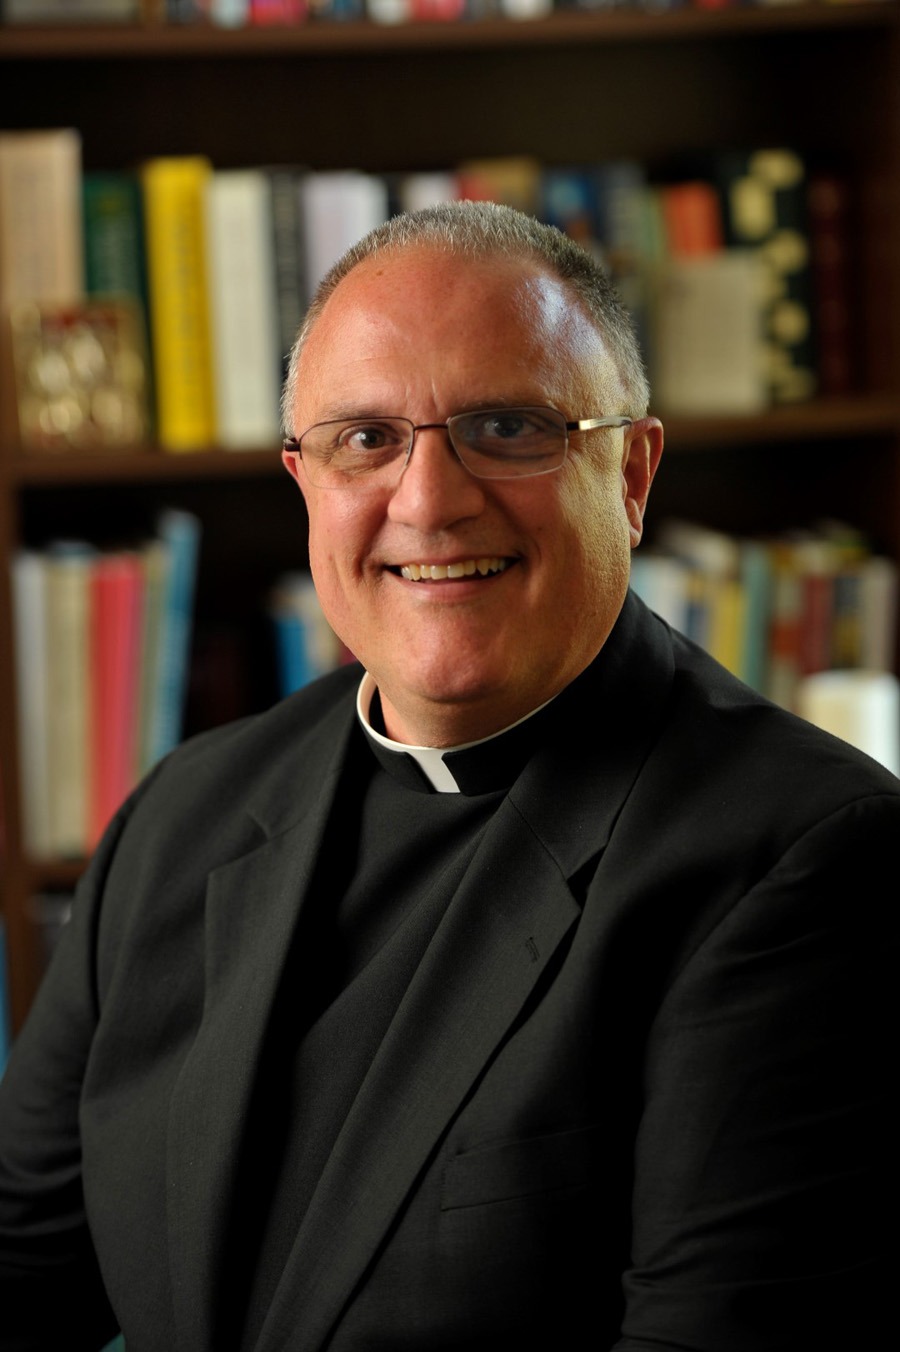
[726, 765]
[207, 789]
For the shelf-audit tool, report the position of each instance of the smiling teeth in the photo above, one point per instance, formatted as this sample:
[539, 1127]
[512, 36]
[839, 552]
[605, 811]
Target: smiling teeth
[438, 572]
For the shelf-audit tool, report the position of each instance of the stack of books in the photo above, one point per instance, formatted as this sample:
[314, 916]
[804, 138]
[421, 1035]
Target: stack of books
[102, 645]
[774, 611]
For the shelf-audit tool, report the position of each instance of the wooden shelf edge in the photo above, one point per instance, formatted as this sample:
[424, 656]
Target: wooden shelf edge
[91, 41]
[861, 416]
[855, 418]
[150, 465]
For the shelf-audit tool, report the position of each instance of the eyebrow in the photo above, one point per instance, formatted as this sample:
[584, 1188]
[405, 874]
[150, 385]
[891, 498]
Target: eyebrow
[354, 412]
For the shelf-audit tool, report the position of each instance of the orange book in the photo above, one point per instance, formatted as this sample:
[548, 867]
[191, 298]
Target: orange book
[693, 219]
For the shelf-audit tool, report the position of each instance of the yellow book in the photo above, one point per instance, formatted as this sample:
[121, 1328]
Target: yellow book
[174, 212]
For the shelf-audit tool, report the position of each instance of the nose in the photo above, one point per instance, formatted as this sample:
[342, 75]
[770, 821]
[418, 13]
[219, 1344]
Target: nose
[435, 489]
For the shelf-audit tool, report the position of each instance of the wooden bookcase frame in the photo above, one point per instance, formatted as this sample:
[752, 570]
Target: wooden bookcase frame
[824, 77]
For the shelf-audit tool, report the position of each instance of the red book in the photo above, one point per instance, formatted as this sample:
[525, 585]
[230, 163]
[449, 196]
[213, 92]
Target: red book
[116, 605]
[828, 213]
[268, 13]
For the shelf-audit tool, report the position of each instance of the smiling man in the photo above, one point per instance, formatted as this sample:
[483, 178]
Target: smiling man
[476, 578]
[530, 984]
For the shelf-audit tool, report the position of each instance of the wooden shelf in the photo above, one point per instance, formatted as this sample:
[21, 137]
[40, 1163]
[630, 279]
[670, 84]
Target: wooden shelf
[146, 41]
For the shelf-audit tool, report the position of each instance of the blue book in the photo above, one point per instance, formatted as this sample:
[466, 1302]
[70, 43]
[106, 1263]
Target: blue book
[180, 533]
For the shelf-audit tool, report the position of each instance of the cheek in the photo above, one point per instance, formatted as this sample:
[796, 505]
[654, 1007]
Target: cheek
[592, 503]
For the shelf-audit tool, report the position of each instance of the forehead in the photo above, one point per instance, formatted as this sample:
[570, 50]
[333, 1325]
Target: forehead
[466, 329]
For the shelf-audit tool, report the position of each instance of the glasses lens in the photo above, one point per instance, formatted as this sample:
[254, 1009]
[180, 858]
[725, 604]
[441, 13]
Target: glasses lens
[337, 454]
[507, 443]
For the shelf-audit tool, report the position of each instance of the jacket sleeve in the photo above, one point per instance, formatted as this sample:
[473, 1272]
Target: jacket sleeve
[51, 1293]
[764, 1209]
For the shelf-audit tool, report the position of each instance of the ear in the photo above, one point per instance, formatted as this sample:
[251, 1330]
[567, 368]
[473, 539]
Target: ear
[640, 458]
[291, 462]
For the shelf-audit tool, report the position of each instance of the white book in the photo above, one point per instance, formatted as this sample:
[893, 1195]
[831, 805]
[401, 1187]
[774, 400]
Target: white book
[243, 311]
[339, 207]
[41, 242]
[707, 350]
[68, 568]
[879, 596]
[525, 9]
[389, 11]
[29, 636]
[419, 190]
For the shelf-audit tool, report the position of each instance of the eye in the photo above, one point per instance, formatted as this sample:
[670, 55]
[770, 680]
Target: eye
[517, 431]
[369, 438]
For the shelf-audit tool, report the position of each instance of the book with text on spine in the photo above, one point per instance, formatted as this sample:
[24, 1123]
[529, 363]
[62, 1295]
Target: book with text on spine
[174, 190]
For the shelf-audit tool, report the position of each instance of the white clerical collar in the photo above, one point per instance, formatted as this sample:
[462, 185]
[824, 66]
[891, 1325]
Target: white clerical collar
[430, 759]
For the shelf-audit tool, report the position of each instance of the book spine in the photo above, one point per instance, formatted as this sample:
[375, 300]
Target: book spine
[174, 215]
[180, 533]
[68, 574]
[29, 585]
[243, 307]
[288, 249]
[116, 598]
[829, 208]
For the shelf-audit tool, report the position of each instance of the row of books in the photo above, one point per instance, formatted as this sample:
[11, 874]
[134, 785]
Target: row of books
[245, 13]
[774, 611]
[102, 646]
[737, 274]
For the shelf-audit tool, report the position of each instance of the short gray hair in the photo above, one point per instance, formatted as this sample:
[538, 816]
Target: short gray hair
[485, 229]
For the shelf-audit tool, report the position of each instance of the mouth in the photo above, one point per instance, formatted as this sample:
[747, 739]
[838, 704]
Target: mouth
[450, 572]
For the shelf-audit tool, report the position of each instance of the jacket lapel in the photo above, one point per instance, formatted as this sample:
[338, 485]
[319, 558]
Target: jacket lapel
[252, 906]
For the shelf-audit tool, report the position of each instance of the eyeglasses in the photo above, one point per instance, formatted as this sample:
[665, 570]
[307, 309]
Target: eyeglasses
[496, 443]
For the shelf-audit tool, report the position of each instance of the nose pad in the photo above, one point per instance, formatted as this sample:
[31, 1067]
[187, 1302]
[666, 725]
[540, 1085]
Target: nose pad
[448, 447]
[436, 489]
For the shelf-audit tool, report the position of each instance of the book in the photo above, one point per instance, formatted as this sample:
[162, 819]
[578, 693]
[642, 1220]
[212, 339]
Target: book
[271, 13]
[764, 197]
[60, 12]
[388, 11]
[569, 201]
[29, 597]
[41, 251]
[306, 645]
[437, 11]
[114, 639]
[338, 207]
[706, 334]
[180, 534]
[829, 210]
[68, 566]
[288, 250]
[513, 180]
[174, 192]
[415, 191]
[243, 310]
[692, 217]
[114, 252]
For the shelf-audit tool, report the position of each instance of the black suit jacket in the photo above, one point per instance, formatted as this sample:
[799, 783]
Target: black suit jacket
[634, 1096]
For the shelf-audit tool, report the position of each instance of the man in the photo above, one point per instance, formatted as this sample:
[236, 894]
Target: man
[534, 991]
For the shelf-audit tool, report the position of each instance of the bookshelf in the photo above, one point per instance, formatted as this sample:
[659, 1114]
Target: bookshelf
[575, 87]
